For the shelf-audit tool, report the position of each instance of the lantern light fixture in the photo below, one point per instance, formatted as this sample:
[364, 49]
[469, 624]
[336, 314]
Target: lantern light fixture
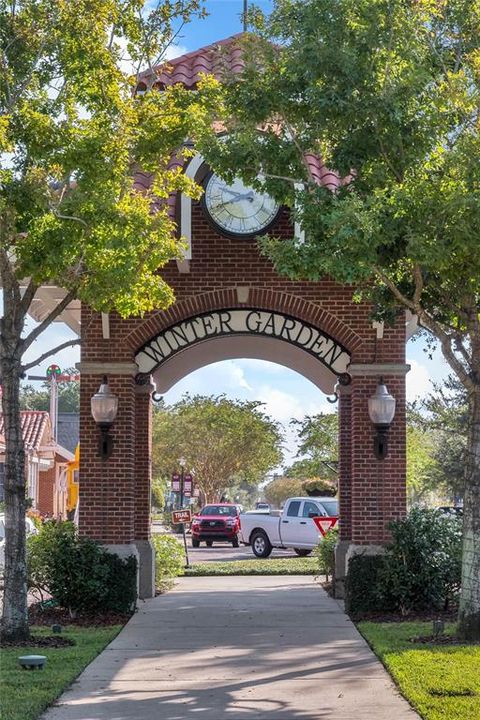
[381, 409]
[104, 407]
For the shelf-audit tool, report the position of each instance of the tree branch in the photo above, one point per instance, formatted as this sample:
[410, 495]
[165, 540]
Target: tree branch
[26, 342]
[28, 296]
[41, 358]
[435, 328]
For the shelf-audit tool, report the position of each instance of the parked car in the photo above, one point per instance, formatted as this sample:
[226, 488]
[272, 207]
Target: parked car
[29, 527]
[216, 522]
[294, 528]
[263, 506]
[455, 511]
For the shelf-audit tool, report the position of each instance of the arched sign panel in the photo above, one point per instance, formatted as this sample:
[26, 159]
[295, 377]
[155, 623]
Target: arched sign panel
[221, 323]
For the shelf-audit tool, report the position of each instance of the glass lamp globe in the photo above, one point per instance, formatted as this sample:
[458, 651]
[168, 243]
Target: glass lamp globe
[381, 406]
[104, 405]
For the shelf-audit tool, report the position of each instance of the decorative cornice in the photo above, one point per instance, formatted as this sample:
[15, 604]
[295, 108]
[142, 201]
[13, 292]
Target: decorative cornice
[379, 369]
[107, 368]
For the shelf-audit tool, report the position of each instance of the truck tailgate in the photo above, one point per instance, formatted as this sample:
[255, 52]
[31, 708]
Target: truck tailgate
[268, 523]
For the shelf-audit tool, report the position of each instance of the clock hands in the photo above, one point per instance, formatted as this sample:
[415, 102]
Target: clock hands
[238, 196]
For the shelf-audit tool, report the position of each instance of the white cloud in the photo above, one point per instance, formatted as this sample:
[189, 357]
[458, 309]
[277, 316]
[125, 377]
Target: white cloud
[175, 51]
[284, 406]
[263, 366]
[418, 381]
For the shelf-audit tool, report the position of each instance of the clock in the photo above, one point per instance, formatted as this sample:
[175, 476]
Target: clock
[236, 209]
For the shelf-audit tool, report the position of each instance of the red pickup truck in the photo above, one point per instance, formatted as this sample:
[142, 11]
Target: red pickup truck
[216, 522]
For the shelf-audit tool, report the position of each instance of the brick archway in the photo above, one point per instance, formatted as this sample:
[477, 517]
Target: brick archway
[220, 272]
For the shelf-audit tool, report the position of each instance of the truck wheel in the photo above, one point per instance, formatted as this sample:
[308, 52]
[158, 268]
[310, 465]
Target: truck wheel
[195, 542]
[301, 552]
[260, 543]
[209, 543]
[235, 541]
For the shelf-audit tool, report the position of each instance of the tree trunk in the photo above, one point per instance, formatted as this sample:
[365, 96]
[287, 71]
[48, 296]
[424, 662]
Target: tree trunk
[469, 613]
[15, 608]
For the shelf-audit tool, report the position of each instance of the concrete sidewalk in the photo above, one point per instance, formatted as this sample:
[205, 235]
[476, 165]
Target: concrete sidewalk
[240, 648]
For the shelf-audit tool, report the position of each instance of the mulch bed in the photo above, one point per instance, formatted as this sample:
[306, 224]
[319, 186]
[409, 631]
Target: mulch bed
[60, 616]
[449, 615]
[49, 641]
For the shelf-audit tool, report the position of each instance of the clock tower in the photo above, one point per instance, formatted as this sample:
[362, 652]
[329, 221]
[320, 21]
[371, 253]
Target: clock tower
[231, 303]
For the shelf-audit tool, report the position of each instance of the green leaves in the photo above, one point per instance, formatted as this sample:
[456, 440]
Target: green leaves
[77, 135]
[225, 441]
[387, 94]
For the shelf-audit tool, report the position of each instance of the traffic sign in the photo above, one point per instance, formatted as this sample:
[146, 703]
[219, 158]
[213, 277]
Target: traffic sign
[181, 516]
[324, 524]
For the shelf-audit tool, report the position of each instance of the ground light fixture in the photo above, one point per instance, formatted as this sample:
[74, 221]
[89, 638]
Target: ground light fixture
[381, 408]
[104, 406]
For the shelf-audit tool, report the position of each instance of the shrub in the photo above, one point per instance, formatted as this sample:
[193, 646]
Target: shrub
[325, 553]
[364, 586]
[78, 572]
[424, 561]
[317, 486]
[421, 569]
[169, 559]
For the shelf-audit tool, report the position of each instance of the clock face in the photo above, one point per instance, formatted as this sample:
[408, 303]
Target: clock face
[237, 209]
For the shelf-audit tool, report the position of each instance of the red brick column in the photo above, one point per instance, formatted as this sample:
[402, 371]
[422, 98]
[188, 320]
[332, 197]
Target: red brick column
[106, 511]
[372, 492]
[378, 486]
[143, 481]
[143, 461]
[345, 461]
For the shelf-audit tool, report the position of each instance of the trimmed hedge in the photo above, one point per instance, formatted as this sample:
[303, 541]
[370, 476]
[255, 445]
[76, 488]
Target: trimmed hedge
[364, 584]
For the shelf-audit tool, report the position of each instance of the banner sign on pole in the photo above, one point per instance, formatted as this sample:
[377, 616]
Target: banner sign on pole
[324, 524]
[187, 484]
[181, 516]
[176, 482]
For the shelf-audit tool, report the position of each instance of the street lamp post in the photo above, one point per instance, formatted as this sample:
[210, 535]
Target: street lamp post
[182, 462]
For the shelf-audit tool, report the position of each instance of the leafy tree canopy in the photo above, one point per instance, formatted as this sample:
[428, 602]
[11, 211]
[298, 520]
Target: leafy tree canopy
[387, 95]
[317, 437]
[73, 134]
[224, 441]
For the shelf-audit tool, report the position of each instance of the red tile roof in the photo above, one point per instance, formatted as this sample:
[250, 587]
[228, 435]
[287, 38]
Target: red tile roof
[217, 59]
[214, 59]
[34, 423]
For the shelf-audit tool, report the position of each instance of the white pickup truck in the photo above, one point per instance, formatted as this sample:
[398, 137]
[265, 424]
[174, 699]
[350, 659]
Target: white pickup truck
[293, 528]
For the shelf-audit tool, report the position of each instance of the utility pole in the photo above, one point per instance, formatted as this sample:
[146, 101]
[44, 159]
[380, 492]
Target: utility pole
[245, 14]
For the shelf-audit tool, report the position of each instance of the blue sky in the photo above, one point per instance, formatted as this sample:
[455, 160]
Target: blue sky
[223, 20]
[285, 393]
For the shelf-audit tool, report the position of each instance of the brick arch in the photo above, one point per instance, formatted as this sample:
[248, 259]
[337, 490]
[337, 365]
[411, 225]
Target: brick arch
[258, 298]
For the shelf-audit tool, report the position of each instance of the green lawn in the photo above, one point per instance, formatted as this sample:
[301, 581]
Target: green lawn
[26, 693]
[257, 566]
[442, 683]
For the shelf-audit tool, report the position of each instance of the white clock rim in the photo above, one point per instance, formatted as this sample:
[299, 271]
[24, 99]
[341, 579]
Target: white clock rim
[264, 227]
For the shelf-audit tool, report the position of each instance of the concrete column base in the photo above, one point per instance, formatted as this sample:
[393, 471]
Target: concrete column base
[125, 551]
[341, 550]
[146, 577]
[345, 550]
[145, 554]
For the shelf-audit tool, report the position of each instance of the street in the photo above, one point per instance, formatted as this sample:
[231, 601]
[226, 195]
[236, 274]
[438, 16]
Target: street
[223, 552]
[220, 551]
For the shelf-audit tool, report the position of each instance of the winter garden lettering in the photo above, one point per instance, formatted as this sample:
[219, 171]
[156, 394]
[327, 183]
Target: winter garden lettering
[242, 322]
